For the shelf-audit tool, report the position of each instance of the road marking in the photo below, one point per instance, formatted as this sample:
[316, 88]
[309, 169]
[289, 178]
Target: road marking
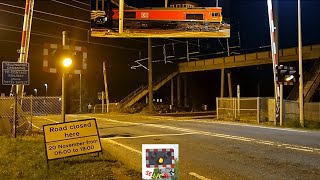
[122, 145]
[198, 176]
[226, 136]
[40, 117]
[151, 135]
[34, 125]
[299, 149]
[245, 125]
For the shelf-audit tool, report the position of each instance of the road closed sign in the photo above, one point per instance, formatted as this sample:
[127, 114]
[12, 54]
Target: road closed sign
[71, 138]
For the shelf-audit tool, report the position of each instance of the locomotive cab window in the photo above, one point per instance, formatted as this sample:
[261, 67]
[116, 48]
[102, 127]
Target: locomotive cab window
[215, 14]
[194, 16]
[129, 14]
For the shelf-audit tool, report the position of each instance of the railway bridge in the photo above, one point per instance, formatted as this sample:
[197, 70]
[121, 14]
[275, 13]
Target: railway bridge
[311, 52]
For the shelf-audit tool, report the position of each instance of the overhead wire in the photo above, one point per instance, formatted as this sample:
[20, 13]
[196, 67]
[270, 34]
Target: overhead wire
[38, 32]
[18, 42]
[57, 37]
[51, 14]
[45, 20]
[66, 4]
[54, 21]
[81, 2]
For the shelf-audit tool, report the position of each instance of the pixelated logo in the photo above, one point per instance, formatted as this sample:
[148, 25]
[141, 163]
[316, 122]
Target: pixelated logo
[160, 161]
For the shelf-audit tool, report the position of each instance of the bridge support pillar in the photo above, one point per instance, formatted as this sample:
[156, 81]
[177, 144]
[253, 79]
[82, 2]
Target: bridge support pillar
[172, 91]
[150, 86]
[222, 83]
[178, 90]
[185, 85]
[229, 84]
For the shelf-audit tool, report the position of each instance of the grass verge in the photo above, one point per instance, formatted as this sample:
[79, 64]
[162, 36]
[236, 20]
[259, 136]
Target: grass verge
[24, 158]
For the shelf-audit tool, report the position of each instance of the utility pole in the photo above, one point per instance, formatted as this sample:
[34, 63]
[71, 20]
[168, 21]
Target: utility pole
[106, 86]
[63, 96]
[281, 104]
[150, 87]
[121, 9]
[80, 104]
[228, 48]
[300, 67]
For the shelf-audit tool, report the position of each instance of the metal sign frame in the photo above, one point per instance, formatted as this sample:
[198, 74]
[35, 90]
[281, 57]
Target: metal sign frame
[45, 143]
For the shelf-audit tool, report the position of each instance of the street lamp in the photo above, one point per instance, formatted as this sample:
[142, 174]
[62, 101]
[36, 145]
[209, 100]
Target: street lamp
[35, 91]
[67, 62]
[46, 87]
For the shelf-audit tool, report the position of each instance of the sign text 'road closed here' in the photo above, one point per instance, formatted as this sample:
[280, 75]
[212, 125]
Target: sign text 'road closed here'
[71, 138]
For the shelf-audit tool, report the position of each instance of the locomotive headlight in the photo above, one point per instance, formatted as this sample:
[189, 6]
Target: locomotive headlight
[106, 19]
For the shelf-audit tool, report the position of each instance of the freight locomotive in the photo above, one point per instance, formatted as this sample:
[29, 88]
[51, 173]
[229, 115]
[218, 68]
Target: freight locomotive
[179, 17]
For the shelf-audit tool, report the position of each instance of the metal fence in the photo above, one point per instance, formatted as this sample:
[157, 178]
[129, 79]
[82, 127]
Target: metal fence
[254, 109]
[19, 115]
[113, 107]
[263, 110]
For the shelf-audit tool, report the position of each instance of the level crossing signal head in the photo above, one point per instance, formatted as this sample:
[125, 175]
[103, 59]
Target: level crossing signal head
[158, 158]
[54, 56]
[286, 75]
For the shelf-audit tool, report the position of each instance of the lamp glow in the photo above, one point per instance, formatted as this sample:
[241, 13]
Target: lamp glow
[67, 62]
[289, 78]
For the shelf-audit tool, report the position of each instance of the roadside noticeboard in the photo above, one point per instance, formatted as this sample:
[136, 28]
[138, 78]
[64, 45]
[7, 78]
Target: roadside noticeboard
[71, 138]
[14, 73]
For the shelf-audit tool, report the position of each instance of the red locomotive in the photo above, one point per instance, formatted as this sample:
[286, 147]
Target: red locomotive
[177, 16]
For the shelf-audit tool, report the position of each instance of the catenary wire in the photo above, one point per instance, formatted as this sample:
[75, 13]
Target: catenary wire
[81, 3]
[66, 4]
[56, 37]
[44, 20]
[51, 14]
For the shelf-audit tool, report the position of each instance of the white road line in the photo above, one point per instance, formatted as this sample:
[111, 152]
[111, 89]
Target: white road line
[151, 135]
[198, 176]
[299, 149]
[122, 145]
[34, 125]
[246, 125]
[40, 117]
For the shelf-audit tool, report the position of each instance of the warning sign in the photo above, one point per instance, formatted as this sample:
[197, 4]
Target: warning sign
[71, 138]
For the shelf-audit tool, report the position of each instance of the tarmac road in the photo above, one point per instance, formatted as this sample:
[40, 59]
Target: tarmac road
[210, 149]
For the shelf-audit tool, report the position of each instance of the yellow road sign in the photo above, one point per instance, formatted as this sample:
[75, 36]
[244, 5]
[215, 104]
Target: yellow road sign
[71, 138]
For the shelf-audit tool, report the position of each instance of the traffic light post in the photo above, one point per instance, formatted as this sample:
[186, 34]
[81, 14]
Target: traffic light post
[285, 75]
[66, 55]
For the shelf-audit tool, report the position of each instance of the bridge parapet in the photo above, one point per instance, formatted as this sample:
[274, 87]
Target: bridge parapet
[250, 59]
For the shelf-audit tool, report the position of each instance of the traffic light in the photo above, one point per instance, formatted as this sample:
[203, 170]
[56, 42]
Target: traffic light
[157, 158]
[286, 75]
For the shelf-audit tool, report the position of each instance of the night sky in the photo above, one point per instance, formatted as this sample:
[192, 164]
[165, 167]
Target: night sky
[248, 17]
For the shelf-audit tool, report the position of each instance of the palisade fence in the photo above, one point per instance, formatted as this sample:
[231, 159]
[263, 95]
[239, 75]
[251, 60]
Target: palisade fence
[255, 109]
[23, 117]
